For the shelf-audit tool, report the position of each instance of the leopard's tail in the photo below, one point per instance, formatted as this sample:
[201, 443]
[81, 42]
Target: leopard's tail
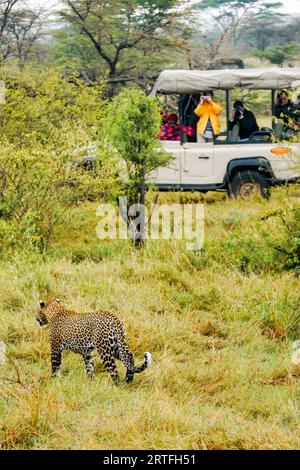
[127, 358]
[131, 370]
[146, 363]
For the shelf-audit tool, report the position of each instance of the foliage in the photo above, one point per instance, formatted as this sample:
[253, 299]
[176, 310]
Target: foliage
[291, 245]
[48, 126]
[122, 29]
[212, 327]
[226, 20]
[132, 126]
[217, 320]
[74, 52]
[265, 28]
[21, 27]
[36, 188]
[278, 54]
[136, 121]
[134, 40]
[42, 107]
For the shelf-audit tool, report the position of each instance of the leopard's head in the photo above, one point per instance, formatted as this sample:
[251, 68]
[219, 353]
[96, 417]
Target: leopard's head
[46, 311]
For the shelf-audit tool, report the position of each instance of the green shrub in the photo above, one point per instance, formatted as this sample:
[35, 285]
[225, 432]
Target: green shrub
[48, 126]
[132, 125]
[291, 247]
[42, 107]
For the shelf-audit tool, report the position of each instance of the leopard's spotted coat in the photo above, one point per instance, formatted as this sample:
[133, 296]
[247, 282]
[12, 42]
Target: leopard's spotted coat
[82, 333]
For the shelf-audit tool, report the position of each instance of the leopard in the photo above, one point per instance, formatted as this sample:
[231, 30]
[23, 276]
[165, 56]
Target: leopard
[84, 332]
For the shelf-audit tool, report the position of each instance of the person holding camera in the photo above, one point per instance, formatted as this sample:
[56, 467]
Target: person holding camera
[208, 110]
[296, 103]
[285, 109]
[243, 119]
[287, 115]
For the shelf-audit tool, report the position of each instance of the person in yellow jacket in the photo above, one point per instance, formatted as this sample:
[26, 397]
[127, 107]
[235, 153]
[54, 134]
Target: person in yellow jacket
[208, 111]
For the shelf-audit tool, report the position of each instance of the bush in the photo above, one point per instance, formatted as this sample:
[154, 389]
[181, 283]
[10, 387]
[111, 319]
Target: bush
[44, 108]
[48, 124]
[291, 246]
[132, 125]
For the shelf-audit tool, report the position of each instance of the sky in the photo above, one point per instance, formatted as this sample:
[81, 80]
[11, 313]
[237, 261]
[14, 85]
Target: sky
[289, 6]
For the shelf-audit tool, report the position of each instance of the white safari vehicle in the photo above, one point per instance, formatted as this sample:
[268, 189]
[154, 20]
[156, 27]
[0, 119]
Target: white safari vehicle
[239, 167]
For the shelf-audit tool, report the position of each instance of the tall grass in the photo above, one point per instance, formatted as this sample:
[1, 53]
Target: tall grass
[219, 325]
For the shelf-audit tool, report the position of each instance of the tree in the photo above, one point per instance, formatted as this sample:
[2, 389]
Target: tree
[47, 124]
[20, 28]
[227, 17]
[74, 52]
[24, 28]
[268, 28]
[6, 8]
[291, 244]
[132, 125]
[126, 29]
[278, 54]
[263, 28]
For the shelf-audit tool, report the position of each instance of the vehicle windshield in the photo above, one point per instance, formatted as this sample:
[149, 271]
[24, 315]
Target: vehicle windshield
[191, 118]
[247, 111]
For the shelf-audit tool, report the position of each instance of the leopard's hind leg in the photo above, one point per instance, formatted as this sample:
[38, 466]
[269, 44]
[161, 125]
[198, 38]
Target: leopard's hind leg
[106, 354]
[130, 370]
[127, 357]
[89, 363]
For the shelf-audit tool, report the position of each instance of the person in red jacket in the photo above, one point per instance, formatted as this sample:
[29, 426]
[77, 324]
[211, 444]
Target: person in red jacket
[171, 129]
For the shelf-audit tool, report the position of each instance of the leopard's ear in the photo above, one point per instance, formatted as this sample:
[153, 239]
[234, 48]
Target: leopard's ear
[57, 300]
[42, 304]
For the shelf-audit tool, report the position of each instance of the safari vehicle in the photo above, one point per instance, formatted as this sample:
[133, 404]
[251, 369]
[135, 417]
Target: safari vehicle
[239, 167]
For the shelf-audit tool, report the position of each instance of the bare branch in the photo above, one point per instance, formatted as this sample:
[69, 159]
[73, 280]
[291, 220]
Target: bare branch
[20, 28]
[114, 27]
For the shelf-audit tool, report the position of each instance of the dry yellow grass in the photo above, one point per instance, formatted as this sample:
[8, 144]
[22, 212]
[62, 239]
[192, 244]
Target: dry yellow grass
[221, 373]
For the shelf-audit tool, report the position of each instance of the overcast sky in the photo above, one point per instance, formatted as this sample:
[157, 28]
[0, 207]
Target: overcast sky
[290, 6]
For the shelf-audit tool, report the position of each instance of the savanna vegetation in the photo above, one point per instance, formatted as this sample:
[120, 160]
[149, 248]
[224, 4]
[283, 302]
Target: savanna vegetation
[219, 324]
[219, 321]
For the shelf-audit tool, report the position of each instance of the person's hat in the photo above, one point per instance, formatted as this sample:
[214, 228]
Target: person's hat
[282, 92]
[238, 104]
[173, 116]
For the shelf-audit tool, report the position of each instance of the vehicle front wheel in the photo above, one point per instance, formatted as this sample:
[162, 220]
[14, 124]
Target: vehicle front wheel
[248, 183]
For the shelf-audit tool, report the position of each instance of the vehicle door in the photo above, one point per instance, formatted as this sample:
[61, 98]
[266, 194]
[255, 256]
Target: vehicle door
[197, 163]
[170, 173]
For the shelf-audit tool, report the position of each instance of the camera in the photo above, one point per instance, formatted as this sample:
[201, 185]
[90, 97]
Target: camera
[239, 112]
[204, 98]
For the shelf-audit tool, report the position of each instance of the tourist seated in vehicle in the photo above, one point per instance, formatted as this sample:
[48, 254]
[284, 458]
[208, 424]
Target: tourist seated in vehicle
[287, 115]
[242, 122]
[208, 110]
[296, 103]
[164, 118]
[170, 130]
[187, 104]
[284, 108]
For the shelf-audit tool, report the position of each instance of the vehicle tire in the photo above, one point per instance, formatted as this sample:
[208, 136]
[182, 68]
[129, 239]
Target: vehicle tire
[247, 183]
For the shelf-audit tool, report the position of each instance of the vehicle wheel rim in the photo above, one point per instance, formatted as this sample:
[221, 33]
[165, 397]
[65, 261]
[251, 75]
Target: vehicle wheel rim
[248, 189]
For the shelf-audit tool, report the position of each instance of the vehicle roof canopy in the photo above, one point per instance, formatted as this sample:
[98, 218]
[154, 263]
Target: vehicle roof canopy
[194, 81]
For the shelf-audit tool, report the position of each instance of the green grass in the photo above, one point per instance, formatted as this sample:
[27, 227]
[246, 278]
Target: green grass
[219, 325]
